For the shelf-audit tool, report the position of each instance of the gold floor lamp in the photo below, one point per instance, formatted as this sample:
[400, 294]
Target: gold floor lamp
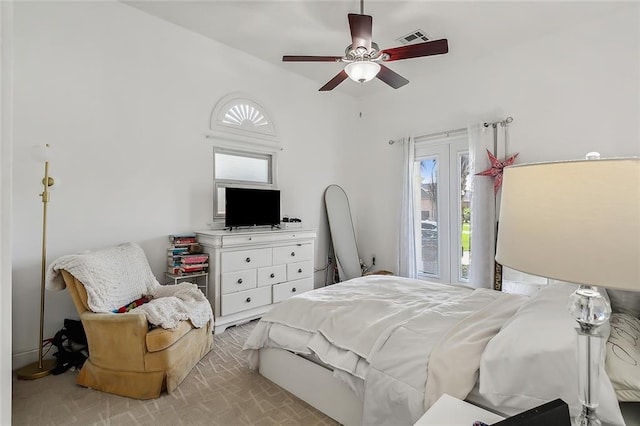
[42, 367]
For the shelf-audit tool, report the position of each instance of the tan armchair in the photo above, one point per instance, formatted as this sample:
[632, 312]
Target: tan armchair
[128, 359]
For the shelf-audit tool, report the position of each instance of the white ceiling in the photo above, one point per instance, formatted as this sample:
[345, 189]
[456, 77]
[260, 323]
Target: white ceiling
[269, 29]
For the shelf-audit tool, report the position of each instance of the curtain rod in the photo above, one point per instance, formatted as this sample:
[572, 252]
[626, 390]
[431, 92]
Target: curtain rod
[503, 123]
[431, 135]
[494, 124]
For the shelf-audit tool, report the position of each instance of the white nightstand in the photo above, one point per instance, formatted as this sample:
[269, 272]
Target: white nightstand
[449, 411]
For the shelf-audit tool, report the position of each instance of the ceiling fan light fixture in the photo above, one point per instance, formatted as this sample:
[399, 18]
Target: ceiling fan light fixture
[362, 71]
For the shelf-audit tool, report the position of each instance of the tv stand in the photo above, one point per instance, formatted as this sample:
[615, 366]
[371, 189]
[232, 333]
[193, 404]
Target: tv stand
[250, 270]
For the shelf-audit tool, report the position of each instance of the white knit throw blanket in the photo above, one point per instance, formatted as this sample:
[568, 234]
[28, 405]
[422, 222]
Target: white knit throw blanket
[117, 276]
[180, 302]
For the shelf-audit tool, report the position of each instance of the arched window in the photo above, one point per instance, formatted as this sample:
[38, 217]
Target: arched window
[244, 149]
[237, 114]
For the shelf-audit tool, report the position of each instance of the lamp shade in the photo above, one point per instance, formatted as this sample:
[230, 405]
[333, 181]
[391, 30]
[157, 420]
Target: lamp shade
[362, 71]
[575, 221]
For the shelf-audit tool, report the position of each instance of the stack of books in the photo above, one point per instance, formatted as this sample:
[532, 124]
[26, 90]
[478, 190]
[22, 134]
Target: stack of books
[185, 255]
[183, 240]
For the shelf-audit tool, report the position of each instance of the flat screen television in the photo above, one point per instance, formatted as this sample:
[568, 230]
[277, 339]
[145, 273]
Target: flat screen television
[251, 207]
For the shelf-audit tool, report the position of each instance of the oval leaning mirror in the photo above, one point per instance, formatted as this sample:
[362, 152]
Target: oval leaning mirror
[343, 236]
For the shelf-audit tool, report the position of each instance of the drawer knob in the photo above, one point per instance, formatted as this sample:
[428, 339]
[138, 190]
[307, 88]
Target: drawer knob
[300, 271]
[248, 259]
[239, 280]
[293, 290]
[272, 275]
[248, 300]
[293, 253]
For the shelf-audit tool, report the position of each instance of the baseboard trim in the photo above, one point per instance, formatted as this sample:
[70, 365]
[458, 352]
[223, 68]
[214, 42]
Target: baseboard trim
[20, 359]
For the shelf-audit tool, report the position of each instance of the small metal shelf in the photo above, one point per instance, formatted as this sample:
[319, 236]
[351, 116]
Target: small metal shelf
[177, 278]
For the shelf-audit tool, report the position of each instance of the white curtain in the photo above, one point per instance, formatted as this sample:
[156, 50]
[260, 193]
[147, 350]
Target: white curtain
[407, 263]
[483, 205]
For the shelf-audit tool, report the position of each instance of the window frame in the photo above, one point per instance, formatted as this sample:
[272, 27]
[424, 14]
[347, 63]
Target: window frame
[235, 183]
[246, 131]
[448, 151]
[254, 137]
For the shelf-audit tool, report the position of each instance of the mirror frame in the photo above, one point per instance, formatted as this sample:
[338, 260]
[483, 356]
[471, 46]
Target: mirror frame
[343, 236]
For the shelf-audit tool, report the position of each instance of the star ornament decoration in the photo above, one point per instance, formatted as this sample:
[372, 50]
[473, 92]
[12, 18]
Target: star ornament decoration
[495, 171]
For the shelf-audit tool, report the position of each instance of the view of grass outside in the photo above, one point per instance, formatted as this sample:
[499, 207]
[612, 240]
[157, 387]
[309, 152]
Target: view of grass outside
[466, 234]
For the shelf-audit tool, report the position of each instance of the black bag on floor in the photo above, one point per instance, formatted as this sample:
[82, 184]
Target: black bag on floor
[71, 342]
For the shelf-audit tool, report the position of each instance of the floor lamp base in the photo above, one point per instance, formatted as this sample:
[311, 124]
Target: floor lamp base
[33, 371]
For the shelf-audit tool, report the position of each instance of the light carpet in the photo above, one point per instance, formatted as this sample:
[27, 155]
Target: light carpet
[220, 390]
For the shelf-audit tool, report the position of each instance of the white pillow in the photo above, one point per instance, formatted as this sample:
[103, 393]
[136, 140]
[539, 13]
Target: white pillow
[626, 302]
[533, 359]
[623, 356]
[603, 291]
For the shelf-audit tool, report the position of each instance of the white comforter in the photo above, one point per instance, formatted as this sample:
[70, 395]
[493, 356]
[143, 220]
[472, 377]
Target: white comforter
[408, 340]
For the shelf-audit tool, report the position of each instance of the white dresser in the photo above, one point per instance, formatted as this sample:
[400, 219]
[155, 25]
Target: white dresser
[249, 270]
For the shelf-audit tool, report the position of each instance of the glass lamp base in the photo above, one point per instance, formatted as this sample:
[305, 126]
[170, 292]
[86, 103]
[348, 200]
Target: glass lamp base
[587, 417]
[590, 310]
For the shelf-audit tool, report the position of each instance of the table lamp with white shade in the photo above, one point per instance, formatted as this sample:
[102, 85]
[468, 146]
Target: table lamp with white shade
[576, 221]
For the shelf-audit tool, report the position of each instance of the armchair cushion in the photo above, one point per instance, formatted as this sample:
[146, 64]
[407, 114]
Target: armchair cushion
[160, 339]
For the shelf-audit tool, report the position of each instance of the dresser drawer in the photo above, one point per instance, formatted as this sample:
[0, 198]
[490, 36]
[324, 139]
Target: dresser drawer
[238, 281]
[299, 270]
[245, 259]
[235, 238]
[291, 288]
[292, 253]
[272, 275]
[244, 300]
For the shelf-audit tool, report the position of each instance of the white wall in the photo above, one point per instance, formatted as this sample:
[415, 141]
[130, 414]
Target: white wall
[569, 93]
[124, 99]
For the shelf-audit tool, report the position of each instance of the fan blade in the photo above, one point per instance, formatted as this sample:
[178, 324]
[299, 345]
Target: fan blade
[360, 26]
[392, 78]
[333, 83]
[290, 58]
[428, 48]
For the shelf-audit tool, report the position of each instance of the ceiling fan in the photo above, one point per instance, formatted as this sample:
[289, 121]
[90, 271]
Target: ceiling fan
[363, 56]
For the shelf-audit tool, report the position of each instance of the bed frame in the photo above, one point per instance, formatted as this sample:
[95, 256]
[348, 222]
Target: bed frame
[312, 383]
[316, 386]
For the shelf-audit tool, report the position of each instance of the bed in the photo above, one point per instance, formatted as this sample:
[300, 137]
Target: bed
[382, 349]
